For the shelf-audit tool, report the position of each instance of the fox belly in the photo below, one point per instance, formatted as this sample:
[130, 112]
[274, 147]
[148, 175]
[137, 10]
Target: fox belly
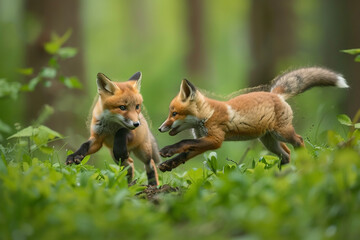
[252, 115]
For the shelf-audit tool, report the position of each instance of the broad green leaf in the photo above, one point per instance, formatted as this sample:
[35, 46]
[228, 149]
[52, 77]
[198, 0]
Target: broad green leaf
[84, 178]
[51, 133]
[334, 138]
[195, 175]
[35, 161]
[85, 160]
[344, 120]
[33, 82]
[68, 152]
[48, 72]
[52, 47]
[25, 166]
[64, 37]
[41, 138]
[211, 162]
[25, 88]
[26, 71]
[55, 44]
[9, 89]
[67, 52]
[71, 82]
[269, 161]
[47, 83]
[26, 132]
[46, 150]
[352, 51]
[357, 125]
[357, 59]
[53, 62]
[40, 132]
[27, 158]
[228, 168]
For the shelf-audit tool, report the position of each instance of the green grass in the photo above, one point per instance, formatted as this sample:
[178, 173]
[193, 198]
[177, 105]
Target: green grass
[316, 196]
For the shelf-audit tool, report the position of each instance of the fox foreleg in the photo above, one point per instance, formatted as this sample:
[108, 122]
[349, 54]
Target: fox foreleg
[79, 155]
[120, 146]
[88, 147]
[182, 146]
[168, 165]
[187, 149]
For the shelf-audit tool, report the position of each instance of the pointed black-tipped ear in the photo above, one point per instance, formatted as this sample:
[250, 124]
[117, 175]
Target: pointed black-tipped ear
[187, 90]
[105, 85]
[136, 77]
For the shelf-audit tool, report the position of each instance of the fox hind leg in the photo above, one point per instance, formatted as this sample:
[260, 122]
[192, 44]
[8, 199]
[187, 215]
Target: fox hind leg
[288, 134]
[146, 156]
[131, 170]
[276, 147]
[151, 173]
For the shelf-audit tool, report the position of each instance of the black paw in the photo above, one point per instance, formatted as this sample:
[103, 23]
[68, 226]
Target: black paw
[74, 159]
[168, 165]
[165, 166]
[167, 151]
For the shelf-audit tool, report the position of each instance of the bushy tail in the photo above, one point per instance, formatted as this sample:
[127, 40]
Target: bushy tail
[295, 82]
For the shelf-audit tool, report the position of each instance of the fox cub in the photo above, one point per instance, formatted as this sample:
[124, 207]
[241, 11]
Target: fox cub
[117, 123]
[264, 115]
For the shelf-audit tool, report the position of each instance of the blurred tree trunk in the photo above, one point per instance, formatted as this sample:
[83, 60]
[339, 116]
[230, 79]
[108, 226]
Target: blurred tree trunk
[53, 17]
[342, 31]
[196, 57]
[272, 37]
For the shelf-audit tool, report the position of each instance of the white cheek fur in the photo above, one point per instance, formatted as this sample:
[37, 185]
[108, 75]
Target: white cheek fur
[186, 123]
[108, 122]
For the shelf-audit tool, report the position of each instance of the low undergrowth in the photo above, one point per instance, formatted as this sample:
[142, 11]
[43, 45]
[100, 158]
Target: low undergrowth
[316, 196]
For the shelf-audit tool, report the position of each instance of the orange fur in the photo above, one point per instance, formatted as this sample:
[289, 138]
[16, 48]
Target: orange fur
[263, 115]
[119, 109]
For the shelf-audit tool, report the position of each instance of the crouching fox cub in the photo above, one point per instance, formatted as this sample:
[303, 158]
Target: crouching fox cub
[118, 124]
[264, 115]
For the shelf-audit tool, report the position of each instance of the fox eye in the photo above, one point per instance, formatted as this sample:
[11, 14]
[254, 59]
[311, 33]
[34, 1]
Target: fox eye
[137, 106]
[174, 114]
[122, 107]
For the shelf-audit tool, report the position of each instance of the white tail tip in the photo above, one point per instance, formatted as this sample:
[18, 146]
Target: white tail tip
[341, 82]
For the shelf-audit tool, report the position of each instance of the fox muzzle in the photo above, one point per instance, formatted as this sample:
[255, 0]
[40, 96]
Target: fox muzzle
[136, 124]
[164, 127]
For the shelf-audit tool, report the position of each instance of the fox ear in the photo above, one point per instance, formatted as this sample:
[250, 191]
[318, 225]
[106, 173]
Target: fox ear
[105, 85]
[137, 78]
[187, 90]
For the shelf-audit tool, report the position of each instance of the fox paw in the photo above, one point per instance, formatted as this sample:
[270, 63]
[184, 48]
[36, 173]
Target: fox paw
[167, 151]
[165, 166]
[74, 159]
[168, 165]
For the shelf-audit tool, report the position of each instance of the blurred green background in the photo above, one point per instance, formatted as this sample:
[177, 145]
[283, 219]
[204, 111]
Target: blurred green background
[221, 46]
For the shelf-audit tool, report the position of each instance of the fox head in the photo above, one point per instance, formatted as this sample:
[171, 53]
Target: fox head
[186, 110]
[121, 101]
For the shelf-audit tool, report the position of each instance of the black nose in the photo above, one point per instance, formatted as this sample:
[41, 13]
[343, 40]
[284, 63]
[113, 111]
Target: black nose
[136, 124]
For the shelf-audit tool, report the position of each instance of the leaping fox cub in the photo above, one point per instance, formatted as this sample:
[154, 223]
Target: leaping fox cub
[263, 115]
[118, 124]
